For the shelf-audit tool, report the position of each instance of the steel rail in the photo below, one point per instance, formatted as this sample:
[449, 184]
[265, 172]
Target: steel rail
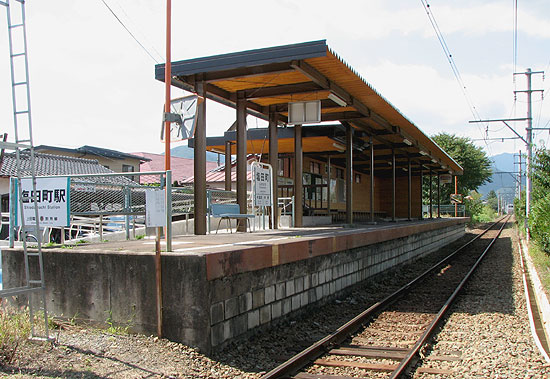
[342, 333]
[406, 362]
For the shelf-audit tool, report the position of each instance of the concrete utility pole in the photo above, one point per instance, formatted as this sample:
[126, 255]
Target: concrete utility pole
[529, 142]
[518, 181]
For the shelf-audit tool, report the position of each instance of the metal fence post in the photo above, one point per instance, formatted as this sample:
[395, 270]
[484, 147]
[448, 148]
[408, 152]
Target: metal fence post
[168, 210]
[13, 205]
[208, 205]
[127, 211]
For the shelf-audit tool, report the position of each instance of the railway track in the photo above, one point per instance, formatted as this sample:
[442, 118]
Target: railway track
[387, 339]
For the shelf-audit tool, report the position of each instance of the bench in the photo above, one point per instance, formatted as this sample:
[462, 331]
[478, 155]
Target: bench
[229, 212]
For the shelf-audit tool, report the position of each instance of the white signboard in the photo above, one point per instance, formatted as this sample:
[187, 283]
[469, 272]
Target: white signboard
[445, 178]
[155, 208]
[262, 186]
[52, 195]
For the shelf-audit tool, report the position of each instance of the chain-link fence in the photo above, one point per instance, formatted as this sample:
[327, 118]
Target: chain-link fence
[103, 203]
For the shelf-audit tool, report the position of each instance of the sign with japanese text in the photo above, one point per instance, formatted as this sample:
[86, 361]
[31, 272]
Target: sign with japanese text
[52, 199]
[262, 185]
[155, 208]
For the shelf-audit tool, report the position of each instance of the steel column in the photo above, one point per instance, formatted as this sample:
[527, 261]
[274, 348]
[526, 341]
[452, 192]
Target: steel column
[349, 174]
[199, 155]
[227, 165]
[274, 162]
[241, 157]
[298, 174]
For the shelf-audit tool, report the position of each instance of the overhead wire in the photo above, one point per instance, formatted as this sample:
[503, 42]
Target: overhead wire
[128, 30]
[452, 63]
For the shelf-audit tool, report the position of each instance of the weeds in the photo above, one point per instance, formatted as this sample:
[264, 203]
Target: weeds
[140, 236]
[115, 328]
[15, 328]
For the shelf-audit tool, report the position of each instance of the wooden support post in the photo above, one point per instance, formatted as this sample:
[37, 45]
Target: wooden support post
[393, 185]
[371, 179]
[199, 154]
[349, 174]
[241, 157]
[431, 195]
[274, 162]
[329, 171]
[227, 165]
[409, 193]
[421, 181]
[438, 197]
[298, 174]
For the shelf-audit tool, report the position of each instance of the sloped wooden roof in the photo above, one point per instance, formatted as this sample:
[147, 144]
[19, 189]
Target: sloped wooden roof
[270, 78]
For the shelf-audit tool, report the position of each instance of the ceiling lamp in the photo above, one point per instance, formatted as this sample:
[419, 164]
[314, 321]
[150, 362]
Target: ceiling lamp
[338, 100]
[407, 142]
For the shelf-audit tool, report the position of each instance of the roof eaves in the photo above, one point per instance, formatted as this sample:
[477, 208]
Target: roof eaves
[277, 54]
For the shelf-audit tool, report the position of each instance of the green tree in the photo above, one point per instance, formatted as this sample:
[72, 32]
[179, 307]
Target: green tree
[474, 161]
[539, 218]
[492, 200]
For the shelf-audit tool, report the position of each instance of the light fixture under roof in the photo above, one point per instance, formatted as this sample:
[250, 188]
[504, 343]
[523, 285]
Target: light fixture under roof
[338, 100]
[407, 142]
[434, 161]
[422, 152]
[339, 147]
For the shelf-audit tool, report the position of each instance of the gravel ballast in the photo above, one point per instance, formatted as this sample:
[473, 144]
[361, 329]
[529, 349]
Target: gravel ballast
[489, 326]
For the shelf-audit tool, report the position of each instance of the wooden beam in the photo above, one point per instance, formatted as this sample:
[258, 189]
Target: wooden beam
[282, 90]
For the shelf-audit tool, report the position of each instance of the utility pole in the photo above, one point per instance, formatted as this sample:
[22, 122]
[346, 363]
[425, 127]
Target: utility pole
[518, 181]
[529, 142]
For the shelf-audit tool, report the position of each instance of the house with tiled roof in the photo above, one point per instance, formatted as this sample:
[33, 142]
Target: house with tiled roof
[182, 168]
[48, 164]
[114, 160]
[215, 178]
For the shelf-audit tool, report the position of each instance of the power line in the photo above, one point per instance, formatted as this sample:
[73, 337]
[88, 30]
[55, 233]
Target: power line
[452, 63]
[129, 32]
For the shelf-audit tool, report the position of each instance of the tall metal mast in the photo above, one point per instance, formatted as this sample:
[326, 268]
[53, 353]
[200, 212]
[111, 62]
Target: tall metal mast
[22, 121]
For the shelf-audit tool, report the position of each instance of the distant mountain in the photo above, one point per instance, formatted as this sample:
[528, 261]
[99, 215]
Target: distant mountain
[184, 151]
[502, 180]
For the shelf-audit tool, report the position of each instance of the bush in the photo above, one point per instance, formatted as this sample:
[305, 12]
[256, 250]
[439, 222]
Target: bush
[477, 211]
[519, 211]
[539, 223]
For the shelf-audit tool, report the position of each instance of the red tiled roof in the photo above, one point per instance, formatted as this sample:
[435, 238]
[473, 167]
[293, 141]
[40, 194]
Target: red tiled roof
[182, 168]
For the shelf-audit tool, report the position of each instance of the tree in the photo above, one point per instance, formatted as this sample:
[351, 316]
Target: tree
[492, 200]
[474, 161]
[539, 218]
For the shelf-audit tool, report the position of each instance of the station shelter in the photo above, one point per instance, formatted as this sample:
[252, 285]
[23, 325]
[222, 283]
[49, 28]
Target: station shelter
[364, 160]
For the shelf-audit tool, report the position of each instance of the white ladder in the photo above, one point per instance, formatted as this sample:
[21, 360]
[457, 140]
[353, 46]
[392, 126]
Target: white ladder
[34, 265]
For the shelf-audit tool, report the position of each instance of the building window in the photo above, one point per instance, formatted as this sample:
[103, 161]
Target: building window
[315, 167]
[128, 168]
[357, 178]
[339, 173]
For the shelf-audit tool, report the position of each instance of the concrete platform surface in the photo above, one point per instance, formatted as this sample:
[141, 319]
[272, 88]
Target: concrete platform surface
[229, 254]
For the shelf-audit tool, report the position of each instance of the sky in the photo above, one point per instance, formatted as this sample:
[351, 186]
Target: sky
[93, 84]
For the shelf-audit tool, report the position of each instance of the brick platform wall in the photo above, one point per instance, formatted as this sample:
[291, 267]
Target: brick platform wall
[243, 302]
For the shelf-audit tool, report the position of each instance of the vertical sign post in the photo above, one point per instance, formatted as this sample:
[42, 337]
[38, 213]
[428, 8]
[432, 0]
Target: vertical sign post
[262, 184]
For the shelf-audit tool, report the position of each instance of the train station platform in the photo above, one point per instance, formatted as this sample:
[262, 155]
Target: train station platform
[219, 287]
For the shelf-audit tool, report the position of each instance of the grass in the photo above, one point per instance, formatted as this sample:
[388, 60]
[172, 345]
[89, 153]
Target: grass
[15, 329]
[542, 264]
[140, 236]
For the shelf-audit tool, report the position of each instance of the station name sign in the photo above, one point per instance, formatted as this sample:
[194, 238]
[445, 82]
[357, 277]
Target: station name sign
[52, 200]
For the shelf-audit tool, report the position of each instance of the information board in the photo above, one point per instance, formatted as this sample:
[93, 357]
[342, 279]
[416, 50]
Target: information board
[155, 207]
[262, 186]
[52, 196]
